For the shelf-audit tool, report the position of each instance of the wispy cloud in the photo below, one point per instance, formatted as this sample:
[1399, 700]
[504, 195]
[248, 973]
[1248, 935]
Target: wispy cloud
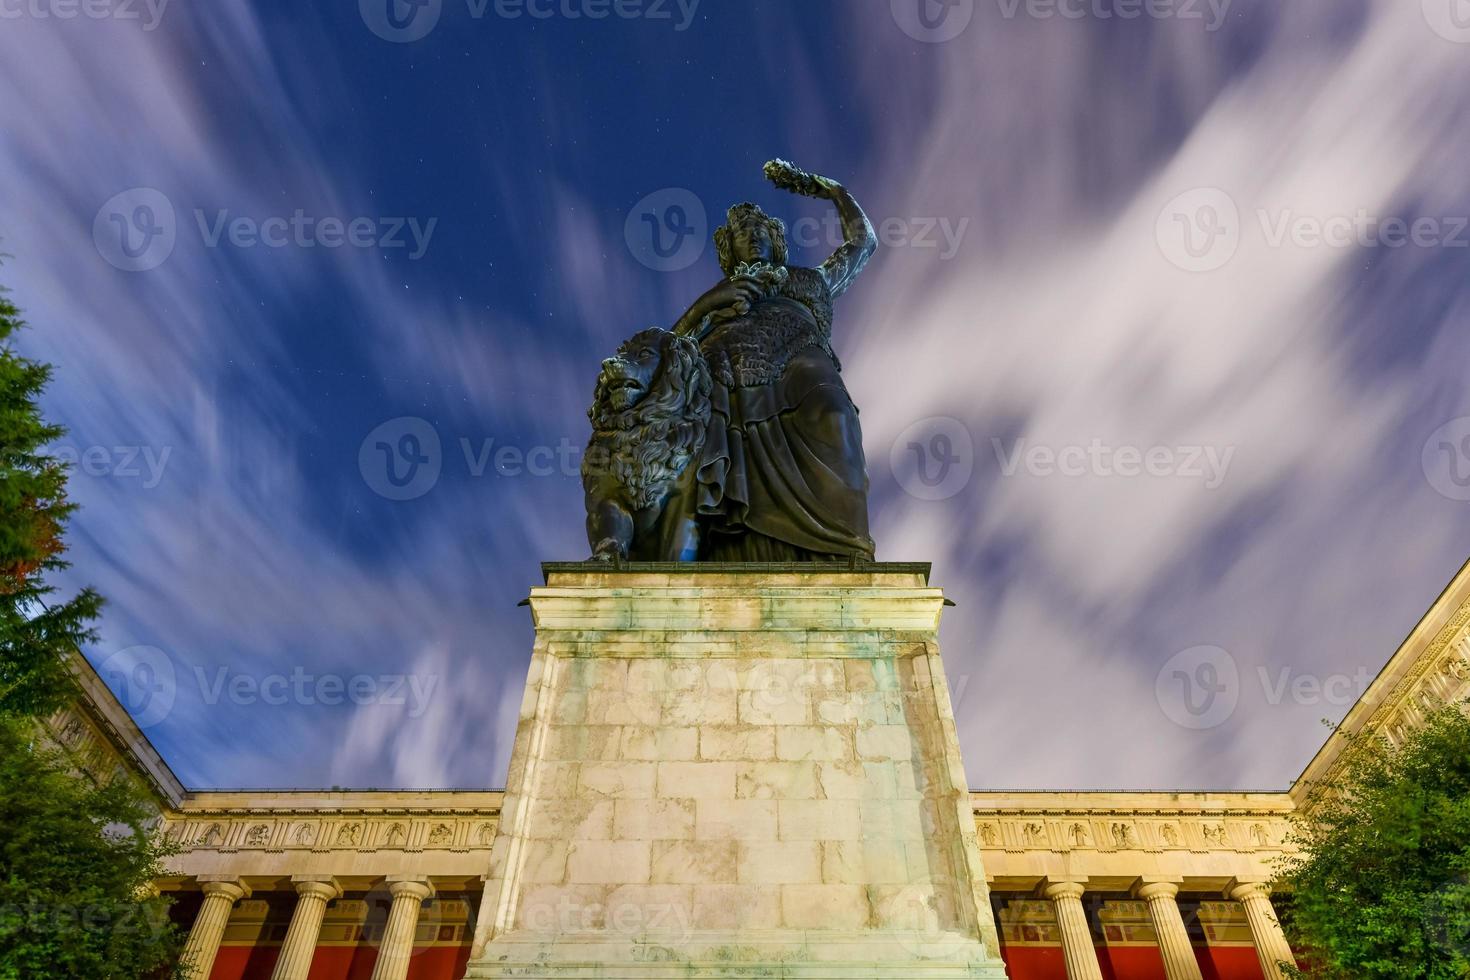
[1059, 321]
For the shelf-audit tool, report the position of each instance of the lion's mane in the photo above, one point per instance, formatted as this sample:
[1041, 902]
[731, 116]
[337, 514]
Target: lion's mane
[647, 447]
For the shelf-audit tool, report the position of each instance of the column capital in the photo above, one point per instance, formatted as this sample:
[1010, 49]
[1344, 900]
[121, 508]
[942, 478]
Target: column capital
[228, 885]
[1154, 888]
[416, 885]
[324, 887]
[1244, 890]
[1074, 888]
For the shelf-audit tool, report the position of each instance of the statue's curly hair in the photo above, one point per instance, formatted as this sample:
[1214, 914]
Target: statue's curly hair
[741, 215]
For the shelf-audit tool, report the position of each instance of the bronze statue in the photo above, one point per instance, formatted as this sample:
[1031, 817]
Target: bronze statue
[649, 416]
[778, 472]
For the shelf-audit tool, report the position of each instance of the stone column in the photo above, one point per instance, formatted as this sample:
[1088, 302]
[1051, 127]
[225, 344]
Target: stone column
[1066, 898]
[1271, 944]
[403, 918]
[220, 896]
[1174, 945]
[312, 896]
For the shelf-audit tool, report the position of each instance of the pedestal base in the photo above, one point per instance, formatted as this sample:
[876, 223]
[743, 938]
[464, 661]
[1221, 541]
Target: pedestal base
[822, 956]
[736, 771]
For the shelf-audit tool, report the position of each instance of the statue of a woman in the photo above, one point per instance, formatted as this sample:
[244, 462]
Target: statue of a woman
[781, 476]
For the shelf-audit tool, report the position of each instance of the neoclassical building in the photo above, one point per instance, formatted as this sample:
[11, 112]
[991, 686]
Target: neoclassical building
[331, 885]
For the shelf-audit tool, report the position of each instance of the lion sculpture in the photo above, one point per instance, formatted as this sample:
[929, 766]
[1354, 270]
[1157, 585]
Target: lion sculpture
[649, 416]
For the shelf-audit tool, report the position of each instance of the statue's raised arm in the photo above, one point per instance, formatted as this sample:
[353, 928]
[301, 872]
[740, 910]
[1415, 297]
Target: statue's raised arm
[859, 242]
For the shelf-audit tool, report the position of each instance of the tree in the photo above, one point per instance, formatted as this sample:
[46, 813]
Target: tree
[76, 856]
[35, 639]
[1381, 888]
[78, 849]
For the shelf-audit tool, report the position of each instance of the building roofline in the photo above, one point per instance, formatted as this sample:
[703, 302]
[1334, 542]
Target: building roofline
[1435, 625]
[105, 711]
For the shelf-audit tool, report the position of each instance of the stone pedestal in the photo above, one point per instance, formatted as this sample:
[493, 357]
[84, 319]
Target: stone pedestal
[736, 770]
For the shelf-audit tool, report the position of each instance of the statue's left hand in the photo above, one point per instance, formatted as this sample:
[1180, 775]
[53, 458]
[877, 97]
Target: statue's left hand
[790, 177]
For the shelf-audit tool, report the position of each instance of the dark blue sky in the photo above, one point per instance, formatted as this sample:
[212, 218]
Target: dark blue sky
[1104, 238]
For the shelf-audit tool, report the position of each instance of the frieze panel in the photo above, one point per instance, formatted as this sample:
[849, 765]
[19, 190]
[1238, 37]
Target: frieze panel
[1120, 832]
[456, 833]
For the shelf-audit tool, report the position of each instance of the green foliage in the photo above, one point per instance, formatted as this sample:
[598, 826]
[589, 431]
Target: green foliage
[36, 637]
[1382, 889]
[77, 850]
[75, 857]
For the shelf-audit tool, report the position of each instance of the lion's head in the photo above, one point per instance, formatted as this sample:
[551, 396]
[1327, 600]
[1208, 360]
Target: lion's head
[649, 414]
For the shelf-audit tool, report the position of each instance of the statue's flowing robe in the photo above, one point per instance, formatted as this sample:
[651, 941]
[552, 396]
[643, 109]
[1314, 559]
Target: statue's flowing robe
[782, 475]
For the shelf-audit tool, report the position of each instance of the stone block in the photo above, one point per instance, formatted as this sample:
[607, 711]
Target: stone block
[781, 863]
[721, 743]
[893, 820]
[672, 744]
[776, 707]
[618, 780]
[683, 708]
[777, 781]
[798, 743]
[571, 820]
[561, 909]
[824, 906]
[638, 911]
[572, 743]
[696, 780]
[885, 742]
[736, 908]
[695, 861]
[811, 820]
[546, 862]
[608, 862]
[735, 819]
[854, 781]
[624, 708]
[660, 819]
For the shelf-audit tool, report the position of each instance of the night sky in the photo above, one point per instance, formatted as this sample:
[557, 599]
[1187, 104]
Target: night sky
[1162, 362]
